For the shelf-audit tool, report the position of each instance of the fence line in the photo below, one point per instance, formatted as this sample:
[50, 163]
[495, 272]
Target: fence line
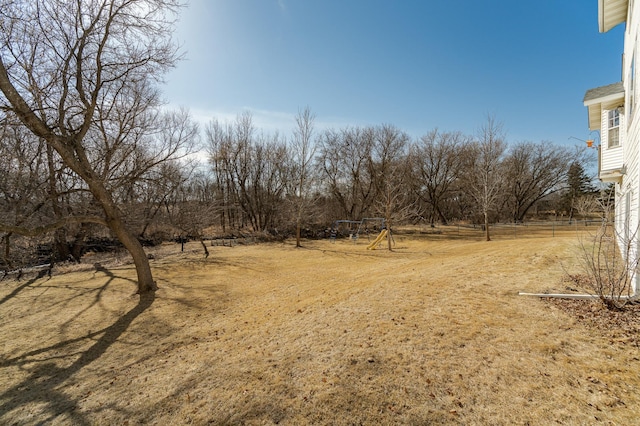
[502, 230]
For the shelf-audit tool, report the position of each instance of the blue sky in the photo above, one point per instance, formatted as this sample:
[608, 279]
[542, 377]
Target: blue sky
[416, 64]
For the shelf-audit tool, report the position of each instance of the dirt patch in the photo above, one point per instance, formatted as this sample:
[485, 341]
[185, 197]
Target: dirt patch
[332, 333]
[620, 327]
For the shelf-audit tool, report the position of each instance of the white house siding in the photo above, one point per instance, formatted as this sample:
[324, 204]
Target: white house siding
[619, 216]
[629, 188]
[611, 158]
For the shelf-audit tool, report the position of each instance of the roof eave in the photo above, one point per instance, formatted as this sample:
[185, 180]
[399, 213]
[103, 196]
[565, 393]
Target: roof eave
[601, 98]
[611, 13]
[594, 114]
[595, 107]
[613, 97]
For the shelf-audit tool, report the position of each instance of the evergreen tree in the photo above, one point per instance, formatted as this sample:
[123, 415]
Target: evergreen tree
[578, 184]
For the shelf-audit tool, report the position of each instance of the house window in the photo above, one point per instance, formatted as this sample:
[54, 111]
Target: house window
[613, 124]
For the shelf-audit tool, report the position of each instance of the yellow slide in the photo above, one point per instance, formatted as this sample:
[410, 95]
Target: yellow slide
[377, 241]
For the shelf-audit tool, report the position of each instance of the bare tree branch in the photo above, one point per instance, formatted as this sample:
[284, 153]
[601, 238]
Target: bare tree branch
[39, 230]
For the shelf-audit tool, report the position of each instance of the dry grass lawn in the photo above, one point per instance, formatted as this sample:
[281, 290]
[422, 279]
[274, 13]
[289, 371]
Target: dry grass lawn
[432, 333]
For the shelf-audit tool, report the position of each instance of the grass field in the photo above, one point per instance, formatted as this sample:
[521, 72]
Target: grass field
[431, 333]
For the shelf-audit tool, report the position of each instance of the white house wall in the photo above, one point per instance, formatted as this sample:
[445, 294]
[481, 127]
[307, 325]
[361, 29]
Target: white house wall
[631, 179]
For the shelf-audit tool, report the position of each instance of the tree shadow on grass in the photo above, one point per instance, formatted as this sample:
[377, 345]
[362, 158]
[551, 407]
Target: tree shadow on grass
[99, 293]
[21, 287]
[44, 385]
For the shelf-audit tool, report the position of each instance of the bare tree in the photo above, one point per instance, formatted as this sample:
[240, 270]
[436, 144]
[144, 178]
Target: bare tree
[485, 173]
[344, 160]
[219, 147]
[303, 152]
[190, 208]
[149, 197]
[250, 169]
[534, 171]
[82, 77]
[23, 186]
[265, 181]
[389, 172]
[438, 161]
[586, 204]
[393, 201]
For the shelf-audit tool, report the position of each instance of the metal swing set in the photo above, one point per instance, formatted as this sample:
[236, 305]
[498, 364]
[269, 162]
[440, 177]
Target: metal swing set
[356, 227]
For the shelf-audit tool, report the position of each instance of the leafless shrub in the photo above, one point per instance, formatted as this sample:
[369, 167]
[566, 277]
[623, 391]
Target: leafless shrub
[609, 260]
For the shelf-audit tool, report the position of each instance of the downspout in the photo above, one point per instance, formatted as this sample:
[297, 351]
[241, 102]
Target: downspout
[576, 296]
[582, 296]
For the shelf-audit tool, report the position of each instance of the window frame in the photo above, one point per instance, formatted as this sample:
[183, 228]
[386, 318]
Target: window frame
[613, 128]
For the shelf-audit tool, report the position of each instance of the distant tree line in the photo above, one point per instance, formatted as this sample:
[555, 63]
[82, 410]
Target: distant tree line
[254, 182]
[357, 172]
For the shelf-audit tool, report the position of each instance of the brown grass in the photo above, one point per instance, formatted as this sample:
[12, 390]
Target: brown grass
[431, 333]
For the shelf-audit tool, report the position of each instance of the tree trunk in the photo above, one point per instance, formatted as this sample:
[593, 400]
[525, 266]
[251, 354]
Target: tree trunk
[128, 239]
[204, 246]
[298, 234]
[486, 225]
[77, 248]
[60, 248]
[571, 212]
[146, 283]
[443, 219]
[7, 251]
